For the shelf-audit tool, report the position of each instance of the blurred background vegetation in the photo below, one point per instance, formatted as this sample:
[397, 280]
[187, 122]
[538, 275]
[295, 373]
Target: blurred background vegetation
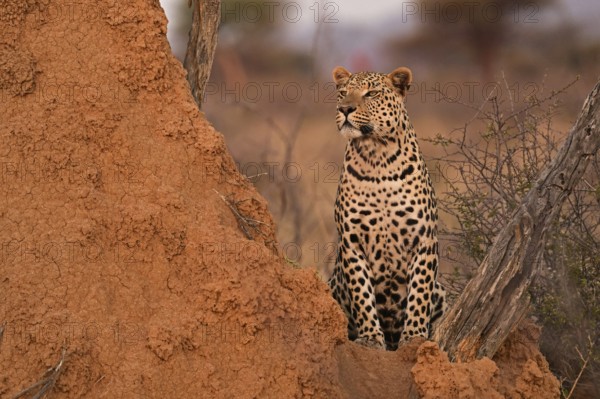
[474, 64]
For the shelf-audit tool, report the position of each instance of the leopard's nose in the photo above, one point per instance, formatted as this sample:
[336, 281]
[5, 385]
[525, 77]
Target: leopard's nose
[346, 110]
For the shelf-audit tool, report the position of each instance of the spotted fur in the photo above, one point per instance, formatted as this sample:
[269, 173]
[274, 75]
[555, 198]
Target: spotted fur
[385, 277]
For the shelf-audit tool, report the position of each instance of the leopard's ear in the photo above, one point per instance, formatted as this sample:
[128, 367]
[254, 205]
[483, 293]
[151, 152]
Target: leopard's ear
[341, 76]
[401, 79]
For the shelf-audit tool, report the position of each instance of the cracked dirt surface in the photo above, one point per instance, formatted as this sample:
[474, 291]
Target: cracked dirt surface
[118, 248]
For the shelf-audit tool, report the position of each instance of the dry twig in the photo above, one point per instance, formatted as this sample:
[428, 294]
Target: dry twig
[583, 366]
[40, 388]
[247, 225]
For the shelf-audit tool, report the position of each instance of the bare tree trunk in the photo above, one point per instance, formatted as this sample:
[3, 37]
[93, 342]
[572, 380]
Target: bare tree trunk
[202, 44]
[497, 297]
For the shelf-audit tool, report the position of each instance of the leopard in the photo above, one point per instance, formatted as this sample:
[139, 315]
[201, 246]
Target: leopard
[385, 276]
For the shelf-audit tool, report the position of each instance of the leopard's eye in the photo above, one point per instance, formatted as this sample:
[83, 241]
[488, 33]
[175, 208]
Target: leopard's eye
[343, 93]
[372, 93]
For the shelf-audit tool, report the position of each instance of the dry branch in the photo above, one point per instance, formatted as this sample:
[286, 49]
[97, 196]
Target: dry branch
[497, 297]
[583, 365]
[202, 44]
[246, 224]
[40, 388]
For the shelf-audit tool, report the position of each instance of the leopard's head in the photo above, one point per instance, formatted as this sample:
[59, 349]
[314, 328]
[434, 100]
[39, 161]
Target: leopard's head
[370, 105]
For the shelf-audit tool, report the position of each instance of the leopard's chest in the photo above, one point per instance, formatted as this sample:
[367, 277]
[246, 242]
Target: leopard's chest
[384, 205]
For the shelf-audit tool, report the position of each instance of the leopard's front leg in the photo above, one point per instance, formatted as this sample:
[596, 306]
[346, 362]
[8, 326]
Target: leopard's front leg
[420, 289]
[361, 296]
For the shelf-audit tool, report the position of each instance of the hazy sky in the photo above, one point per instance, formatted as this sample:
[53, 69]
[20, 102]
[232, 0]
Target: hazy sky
[361, 25]
[370, 13]
[373, 20]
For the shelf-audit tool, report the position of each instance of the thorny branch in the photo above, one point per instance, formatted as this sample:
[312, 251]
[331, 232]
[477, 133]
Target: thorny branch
[533, 190]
